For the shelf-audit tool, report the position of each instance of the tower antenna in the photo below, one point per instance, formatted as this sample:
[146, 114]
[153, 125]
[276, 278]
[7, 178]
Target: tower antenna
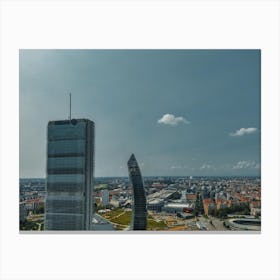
[70, 106]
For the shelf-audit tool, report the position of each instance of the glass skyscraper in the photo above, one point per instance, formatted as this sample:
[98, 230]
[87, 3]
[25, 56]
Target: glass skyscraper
[139, 213]
[70, 171]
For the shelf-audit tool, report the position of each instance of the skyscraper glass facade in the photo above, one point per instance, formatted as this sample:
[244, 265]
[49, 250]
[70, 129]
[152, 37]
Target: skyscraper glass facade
[139, 213]
[70, 169]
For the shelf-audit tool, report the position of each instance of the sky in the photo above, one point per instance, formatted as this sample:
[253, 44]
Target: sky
[181, 112]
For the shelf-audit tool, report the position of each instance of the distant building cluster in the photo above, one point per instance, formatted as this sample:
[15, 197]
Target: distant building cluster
[32, 197]
[176, 195]
[233, 195]
[165, 197]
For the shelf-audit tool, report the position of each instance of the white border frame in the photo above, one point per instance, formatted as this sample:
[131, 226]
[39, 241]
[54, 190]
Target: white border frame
[123, 24]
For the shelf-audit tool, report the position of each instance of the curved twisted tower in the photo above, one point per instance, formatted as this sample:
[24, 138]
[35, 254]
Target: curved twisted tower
[139, 213]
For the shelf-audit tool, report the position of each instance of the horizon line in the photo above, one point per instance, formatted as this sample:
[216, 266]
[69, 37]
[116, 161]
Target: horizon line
[159, 176]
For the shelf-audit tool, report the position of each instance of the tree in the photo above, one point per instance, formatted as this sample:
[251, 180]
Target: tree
[41, 209]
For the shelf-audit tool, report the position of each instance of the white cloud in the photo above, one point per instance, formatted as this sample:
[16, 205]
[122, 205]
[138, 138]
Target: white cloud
[170, 119]
[206, 166]
[246, 164]
[242, 131]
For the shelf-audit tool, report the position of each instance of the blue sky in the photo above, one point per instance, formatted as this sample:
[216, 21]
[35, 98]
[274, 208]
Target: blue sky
[181, 112]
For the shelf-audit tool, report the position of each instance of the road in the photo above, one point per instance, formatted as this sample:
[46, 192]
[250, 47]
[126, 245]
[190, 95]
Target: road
[212, 223]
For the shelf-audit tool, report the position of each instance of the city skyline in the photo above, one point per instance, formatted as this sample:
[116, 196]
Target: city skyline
[183, 112]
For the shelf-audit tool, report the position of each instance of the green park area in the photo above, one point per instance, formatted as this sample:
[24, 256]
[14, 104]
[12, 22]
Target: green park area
[121, 218]
[155, 225]
[33, 222]
[100, 187]
[32, 225]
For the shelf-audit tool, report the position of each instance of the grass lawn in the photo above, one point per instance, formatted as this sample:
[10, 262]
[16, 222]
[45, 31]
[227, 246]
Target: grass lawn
[31, 225]
[113, 213]
[123, 219]
[155, 225]
[118, 216]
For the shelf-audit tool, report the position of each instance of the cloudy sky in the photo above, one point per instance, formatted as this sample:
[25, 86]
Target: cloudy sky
[182, 112]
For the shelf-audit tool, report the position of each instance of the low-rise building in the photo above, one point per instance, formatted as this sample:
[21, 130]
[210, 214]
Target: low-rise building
[191, 196]
[115, 203]
[105, 197]
[34, 204]
[178, 207]
[155, 205]
[255, 211]
[22, 212]
[165, 195]
[209, 206]
[221, 204]
[255, 204]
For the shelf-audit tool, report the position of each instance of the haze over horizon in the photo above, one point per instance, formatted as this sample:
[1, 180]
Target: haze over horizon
[181, 112]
